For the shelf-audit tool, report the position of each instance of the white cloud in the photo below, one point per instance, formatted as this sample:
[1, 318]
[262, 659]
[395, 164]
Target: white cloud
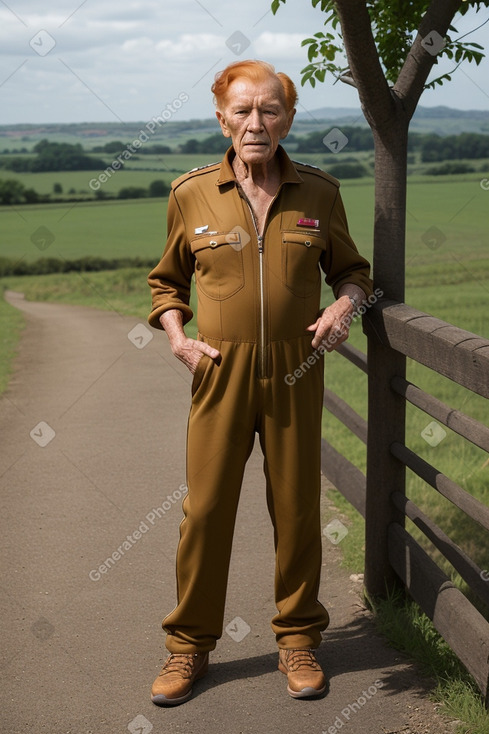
[134, 57]
[191, 46]
[281, 45]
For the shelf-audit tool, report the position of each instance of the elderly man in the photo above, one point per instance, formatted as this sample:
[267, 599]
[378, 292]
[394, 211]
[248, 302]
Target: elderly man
[255, 231]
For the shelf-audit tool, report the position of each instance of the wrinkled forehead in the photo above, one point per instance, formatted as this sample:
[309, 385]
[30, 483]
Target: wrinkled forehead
[247, 91]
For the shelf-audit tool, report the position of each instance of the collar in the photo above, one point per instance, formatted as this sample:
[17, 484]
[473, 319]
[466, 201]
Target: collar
[288, 172]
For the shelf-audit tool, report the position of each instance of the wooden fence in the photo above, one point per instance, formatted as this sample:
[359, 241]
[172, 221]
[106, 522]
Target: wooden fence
[396, 331]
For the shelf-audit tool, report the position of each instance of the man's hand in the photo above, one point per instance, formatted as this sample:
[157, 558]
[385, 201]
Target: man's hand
[187, 350]
[333, 326]
[190, 351]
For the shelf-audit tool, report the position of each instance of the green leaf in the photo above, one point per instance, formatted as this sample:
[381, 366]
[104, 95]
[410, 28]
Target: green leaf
[275, 5]
[312, 52]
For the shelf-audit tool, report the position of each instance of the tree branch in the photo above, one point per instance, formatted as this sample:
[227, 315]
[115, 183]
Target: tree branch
[363, 58]
[422, 56]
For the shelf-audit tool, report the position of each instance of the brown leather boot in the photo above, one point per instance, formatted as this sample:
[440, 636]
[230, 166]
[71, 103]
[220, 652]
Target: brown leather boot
[174, 682]
[304, 674]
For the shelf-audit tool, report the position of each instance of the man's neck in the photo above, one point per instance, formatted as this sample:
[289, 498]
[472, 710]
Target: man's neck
[264, 176]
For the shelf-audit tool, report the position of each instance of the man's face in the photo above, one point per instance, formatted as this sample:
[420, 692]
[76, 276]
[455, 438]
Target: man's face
[253, 115]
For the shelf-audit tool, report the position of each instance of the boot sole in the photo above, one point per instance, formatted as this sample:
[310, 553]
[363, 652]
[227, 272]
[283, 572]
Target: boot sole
[307, 692]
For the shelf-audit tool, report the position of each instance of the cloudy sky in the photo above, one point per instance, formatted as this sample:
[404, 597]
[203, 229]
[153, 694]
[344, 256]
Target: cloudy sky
[107, 60]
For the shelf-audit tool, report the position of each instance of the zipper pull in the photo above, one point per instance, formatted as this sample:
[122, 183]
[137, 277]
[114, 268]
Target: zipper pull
[260, 243]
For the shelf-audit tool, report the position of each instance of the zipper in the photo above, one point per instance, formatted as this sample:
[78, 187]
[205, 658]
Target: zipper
[262, 371]
[262, 345]
[261, 285]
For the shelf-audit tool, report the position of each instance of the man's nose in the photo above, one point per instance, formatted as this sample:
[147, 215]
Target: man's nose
[255, 121]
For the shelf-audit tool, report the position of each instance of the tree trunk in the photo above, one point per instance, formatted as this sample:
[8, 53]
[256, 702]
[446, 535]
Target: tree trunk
[386, 421]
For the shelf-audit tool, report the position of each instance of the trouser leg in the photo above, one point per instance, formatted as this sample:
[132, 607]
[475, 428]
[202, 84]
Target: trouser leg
[219, 442]
[290, 436]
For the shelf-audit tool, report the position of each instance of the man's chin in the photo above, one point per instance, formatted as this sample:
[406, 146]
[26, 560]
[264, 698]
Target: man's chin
[257, 153]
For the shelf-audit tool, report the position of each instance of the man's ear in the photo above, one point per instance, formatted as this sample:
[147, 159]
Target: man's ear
[288, 123]
[222, 122]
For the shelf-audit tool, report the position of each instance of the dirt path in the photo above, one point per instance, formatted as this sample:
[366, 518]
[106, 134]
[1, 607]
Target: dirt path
[92, 468]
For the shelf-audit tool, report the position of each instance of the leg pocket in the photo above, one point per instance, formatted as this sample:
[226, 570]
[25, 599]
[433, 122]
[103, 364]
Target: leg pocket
[200, 372]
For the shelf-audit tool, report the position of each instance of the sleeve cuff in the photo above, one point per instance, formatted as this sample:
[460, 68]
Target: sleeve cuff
[154, 316]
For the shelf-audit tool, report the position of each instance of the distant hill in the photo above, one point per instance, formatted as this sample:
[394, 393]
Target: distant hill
[440, 120]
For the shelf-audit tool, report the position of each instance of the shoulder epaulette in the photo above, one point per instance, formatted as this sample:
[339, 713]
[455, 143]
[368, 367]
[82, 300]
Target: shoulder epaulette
[309, 168]
[202, 168]
[195, 172]
[307, 165]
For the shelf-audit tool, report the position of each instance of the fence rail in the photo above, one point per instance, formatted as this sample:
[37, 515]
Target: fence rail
[396, 331]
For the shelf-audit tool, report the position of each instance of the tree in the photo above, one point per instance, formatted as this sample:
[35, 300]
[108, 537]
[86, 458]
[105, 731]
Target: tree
[59, 157]
[11, 192]
[389, 66]
[132, 192]
[158, 188]
[115, 146]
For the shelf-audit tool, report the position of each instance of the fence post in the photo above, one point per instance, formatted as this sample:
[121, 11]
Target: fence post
[385, 473]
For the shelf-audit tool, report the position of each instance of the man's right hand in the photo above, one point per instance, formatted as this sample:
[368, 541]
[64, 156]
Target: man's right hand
[187, 350]
[190, 351]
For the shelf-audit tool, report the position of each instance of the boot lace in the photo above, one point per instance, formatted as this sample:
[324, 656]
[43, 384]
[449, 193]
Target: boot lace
[301, 659]
[181, 663]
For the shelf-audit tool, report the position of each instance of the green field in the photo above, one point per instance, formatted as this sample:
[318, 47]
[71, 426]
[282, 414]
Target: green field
[112, 229]
[139, 171]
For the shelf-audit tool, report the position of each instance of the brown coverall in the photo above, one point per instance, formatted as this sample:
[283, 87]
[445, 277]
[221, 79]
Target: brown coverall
[256, 296]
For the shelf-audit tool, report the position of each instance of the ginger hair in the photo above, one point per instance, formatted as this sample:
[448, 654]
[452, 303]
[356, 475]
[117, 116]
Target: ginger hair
[255, 71]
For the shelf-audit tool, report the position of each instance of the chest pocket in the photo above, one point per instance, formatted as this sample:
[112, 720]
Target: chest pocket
[301, 252]
[219, 271]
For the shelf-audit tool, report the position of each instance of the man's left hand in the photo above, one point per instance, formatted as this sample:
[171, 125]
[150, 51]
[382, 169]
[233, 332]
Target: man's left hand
[333, 326]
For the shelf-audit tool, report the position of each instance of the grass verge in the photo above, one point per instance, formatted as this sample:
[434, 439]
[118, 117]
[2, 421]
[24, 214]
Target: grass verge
[11, 325]
[407, 629]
